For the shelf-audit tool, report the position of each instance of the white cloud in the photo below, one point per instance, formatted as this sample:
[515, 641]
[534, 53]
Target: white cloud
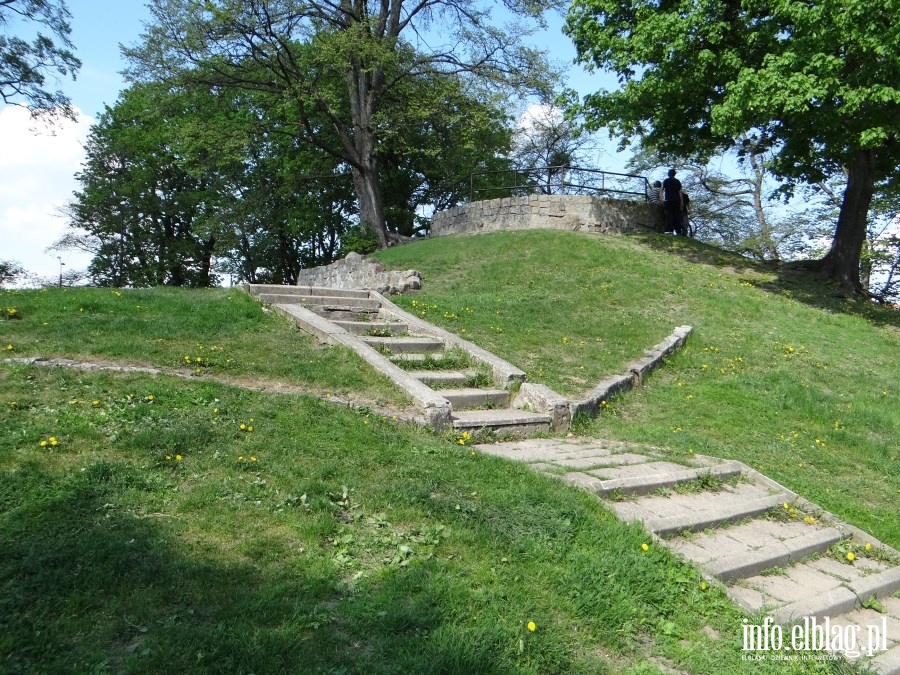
[37, 177]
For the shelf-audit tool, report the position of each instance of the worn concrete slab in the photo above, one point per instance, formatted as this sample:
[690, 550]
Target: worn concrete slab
[726, 511]
[739, 552]
[599, 459]
[638, 469]
[465, 398]
[887, 663]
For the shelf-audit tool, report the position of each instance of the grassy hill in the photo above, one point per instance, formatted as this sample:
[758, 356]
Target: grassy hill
[164, 524]
[779, 374]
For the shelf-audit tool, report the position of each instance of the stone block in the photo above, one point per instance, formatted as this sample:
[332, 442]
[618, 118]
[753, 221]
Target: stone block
[358, 271]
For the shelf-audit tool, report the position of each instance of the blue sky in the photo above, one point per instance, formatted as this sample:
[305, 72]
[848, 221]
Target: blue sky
[37, 167]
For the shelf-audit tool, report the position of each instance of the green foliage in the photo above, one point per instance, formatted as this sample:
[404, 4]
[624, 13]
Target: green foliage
[360, 240]
[140, 212]
[813, 83]
[25, 66]
[175, 177]
[321, 68]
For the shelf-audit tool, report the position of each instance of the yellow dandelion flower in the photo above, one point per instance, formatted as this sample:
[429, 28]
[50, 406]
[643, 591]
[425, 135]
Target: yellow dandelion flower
[703, 586]
[532, 626]
[215, 410]
[43, 444]
[178, 458]
[95, 402]
[9, 347]
[252, 458]
[786, 506]
[53, 441]
[250, 428]
[868, 547]
[243, 427]
[850, 556]
[168, 457]
[645, 547]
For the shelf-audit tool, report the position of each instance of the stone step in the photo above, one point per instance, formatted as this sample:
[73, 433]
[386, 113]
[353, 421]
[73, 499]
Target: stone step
[886, 663]
[405, 345]
[367, 327]
[818, 588]
[745, 550]
[256, 289]
[648, 480]
[669, 515]
[504, 421]
[468, 398]
[344, 314]
[327, 301]
[416, 357]
[443, 377]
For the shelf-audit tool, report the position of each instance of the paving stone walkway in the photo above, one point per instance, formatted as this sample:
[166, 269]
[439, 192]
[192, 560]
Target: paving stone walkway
[774, 553]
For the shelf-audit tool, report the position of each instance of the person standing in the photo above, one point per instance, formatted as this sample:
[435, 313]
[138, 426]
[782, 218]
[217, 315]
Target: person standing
[673, 203]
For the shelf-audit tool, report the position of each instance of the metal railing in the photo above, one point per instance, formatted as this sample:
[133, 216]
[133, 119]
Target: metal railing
[556, 180]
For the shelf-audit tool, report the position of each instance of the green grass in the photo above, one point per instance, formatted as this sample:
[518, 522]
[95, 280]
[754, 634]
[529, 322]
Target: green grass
[217, 332]
[157, 536]
[778, 372]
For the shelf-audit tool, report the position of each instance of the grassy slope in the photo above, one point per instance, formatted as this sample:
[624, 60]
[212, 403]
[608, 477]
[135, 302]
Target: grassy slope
[777, 373]
[246, 554]
[171, 328]
[157, 536]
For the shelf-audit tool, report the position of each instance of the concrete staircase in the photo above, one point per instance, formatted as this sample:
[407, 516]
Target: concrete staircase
[775, 554]
[454, 383]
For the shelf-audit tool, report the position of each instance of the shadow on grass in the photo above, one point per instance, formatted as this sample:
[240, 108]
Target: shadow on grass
[87, 587]
[790, 281]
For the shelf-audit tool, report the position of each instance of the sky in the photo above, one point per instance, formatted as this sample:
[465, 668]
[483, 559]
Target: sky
[38, 165]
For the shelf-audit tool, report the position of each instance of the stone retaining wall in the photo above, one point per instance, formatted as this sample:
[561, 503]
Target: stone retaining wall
[359, 272]
[559, 212]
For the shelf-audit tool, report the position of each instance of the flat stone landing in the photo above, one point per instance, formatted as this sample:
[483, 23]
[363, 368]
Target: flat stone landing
[773, 552]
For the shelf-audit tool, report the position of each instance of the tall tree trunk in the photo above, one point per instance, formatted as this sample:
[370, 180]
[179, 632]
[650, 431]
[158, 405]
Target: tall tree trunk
[371, 204]
[841, 264]
[364, 83]
[769, 249]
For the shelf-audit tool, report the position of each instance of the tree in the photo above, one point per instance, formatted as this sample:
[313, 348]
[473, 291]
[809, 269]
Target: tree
[24, 65]
[145, 218]
[430, 149]
[814, 83]
[746, 211]
[337, 60]
[10, 271]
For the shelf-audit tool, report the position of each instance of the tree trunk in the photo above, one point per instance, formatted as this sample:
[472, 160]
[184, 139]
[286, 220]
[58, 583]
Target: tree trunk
[364, 84]
[769, 249]
[371, 205]
[841, 264]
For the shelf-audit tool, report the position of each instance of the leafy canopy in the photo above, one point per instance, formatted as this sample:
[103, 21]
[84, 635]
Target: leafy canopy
[26, 62]
[813, 81]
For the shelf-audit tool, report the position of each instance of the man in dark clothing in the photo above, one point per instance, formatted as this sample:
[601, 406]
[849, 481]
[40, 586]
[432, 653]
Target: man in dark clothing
[673, 204]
